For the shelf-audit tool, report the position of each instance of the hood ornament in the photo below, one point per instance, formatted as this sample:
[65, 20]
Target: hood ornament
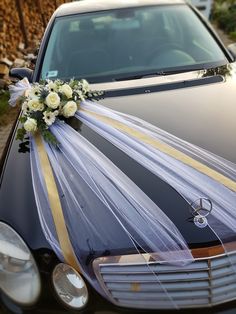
[200, 209]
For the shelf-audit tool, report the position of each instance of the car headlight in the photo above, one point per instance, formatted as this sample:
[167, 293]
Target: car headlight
[19, 276]
[70, 286]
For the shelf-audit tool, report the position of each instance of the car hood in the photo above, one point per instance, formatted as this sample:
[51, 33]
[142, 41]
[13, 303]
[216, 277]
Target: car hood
[198, 107]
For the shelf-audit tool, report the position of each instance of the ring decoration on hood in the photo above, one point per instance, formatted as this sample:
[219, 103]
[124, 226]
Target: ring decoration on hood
[194, 172]
[89, 185]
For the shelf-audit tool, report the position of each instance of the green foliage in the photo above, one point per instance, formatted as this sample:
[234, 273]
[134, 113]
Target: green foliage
[21, 134]
[49, 137]
[4, 96]
[224, 14]
[232, 35]
[7, 113]
[22, 119]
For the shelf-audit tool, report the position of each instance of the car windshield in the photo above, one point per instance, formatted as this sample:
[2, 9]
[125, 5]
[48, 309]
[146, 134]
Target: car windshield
[131, 42]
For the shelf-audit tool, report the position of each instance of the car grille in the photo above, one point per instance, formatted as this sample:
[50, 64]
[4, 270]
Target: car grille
[203, 283]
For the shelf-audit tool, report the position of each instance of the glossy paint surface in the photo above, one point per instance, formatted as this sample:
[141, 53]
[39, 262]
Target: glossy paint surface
[198, 114]
[198, 107]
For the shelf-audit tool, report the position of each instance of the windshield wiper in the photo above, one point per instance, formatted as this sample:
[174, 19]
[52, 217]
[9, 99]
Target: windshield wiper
[139, 76]
[157, 73]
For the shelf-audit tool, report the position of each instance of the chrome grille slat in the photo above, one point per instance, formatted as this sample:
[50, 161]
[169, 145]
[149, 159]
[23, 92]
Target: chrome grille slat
[185, 286]
[224, 289]
[221, 298]
[219, 262]
[204, 283]
[159, 296]
[157, 304]
[152, 278]
[155, 268]
[216, 282]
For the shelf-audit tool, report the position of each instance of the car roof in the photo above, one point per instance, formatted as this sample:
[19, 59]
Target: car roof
[101, 5]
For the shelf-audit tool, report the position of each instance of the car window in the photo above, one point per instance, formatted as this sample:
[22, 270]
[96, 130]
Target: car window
[103, 46]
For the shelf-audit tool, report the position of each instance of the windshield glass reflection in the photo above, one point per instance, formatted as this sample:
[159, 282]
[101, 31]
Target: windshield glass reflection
[107, 45]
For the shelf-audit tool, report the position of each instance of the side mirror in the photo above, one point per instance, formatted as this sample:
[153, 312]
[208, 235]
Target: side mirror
[232, 50]
[20, 73]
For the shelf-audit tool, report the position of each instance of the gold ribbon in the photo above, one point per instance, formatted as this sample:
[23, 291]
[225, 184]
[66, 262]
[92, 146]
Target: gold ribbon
[170, 151]
[55, 205]
[53, 196]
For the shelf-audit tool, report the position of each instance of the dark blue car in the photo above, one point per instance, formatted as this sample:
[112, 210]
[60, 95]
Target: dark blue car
[158, 60]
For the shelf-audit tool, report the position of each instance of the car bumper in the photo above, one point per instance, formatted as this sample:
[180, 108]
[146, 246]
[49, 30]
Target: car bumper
[130, 285]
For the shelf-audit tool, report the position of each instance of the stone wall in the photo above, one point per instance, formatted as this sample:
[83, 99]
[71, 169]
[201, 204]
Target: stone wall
[22, 23]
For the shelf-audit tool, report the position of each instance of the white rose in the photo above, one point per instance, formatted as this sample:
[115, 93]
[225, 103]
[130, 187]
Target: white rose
[69, 109]
[35, 105]
[30, 125]
[66, 89]
[53, 100]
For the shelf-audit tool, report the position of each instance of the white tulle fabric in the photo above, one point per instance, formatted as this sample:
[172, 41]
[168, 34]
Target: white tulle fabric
[190, 183]
[103, 208]
[18, 90]
[98, 198]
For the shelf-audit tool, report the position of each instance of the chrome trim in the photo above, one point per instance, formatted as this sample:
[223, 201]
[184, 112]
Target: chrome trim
[131, 281]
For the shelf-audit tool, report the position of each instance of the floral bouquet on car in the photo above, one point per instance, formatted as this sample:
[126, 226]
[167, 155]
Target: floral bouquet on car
[44, 102]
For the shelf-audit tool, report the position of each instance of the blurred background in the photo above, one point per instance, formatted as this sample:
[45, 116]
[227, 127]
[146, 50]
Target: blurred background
[22, 23]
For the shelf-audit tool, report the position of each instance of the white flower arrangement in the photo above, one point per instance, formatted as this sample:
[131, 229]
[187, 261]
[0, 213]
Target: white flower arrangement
[47, 101]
